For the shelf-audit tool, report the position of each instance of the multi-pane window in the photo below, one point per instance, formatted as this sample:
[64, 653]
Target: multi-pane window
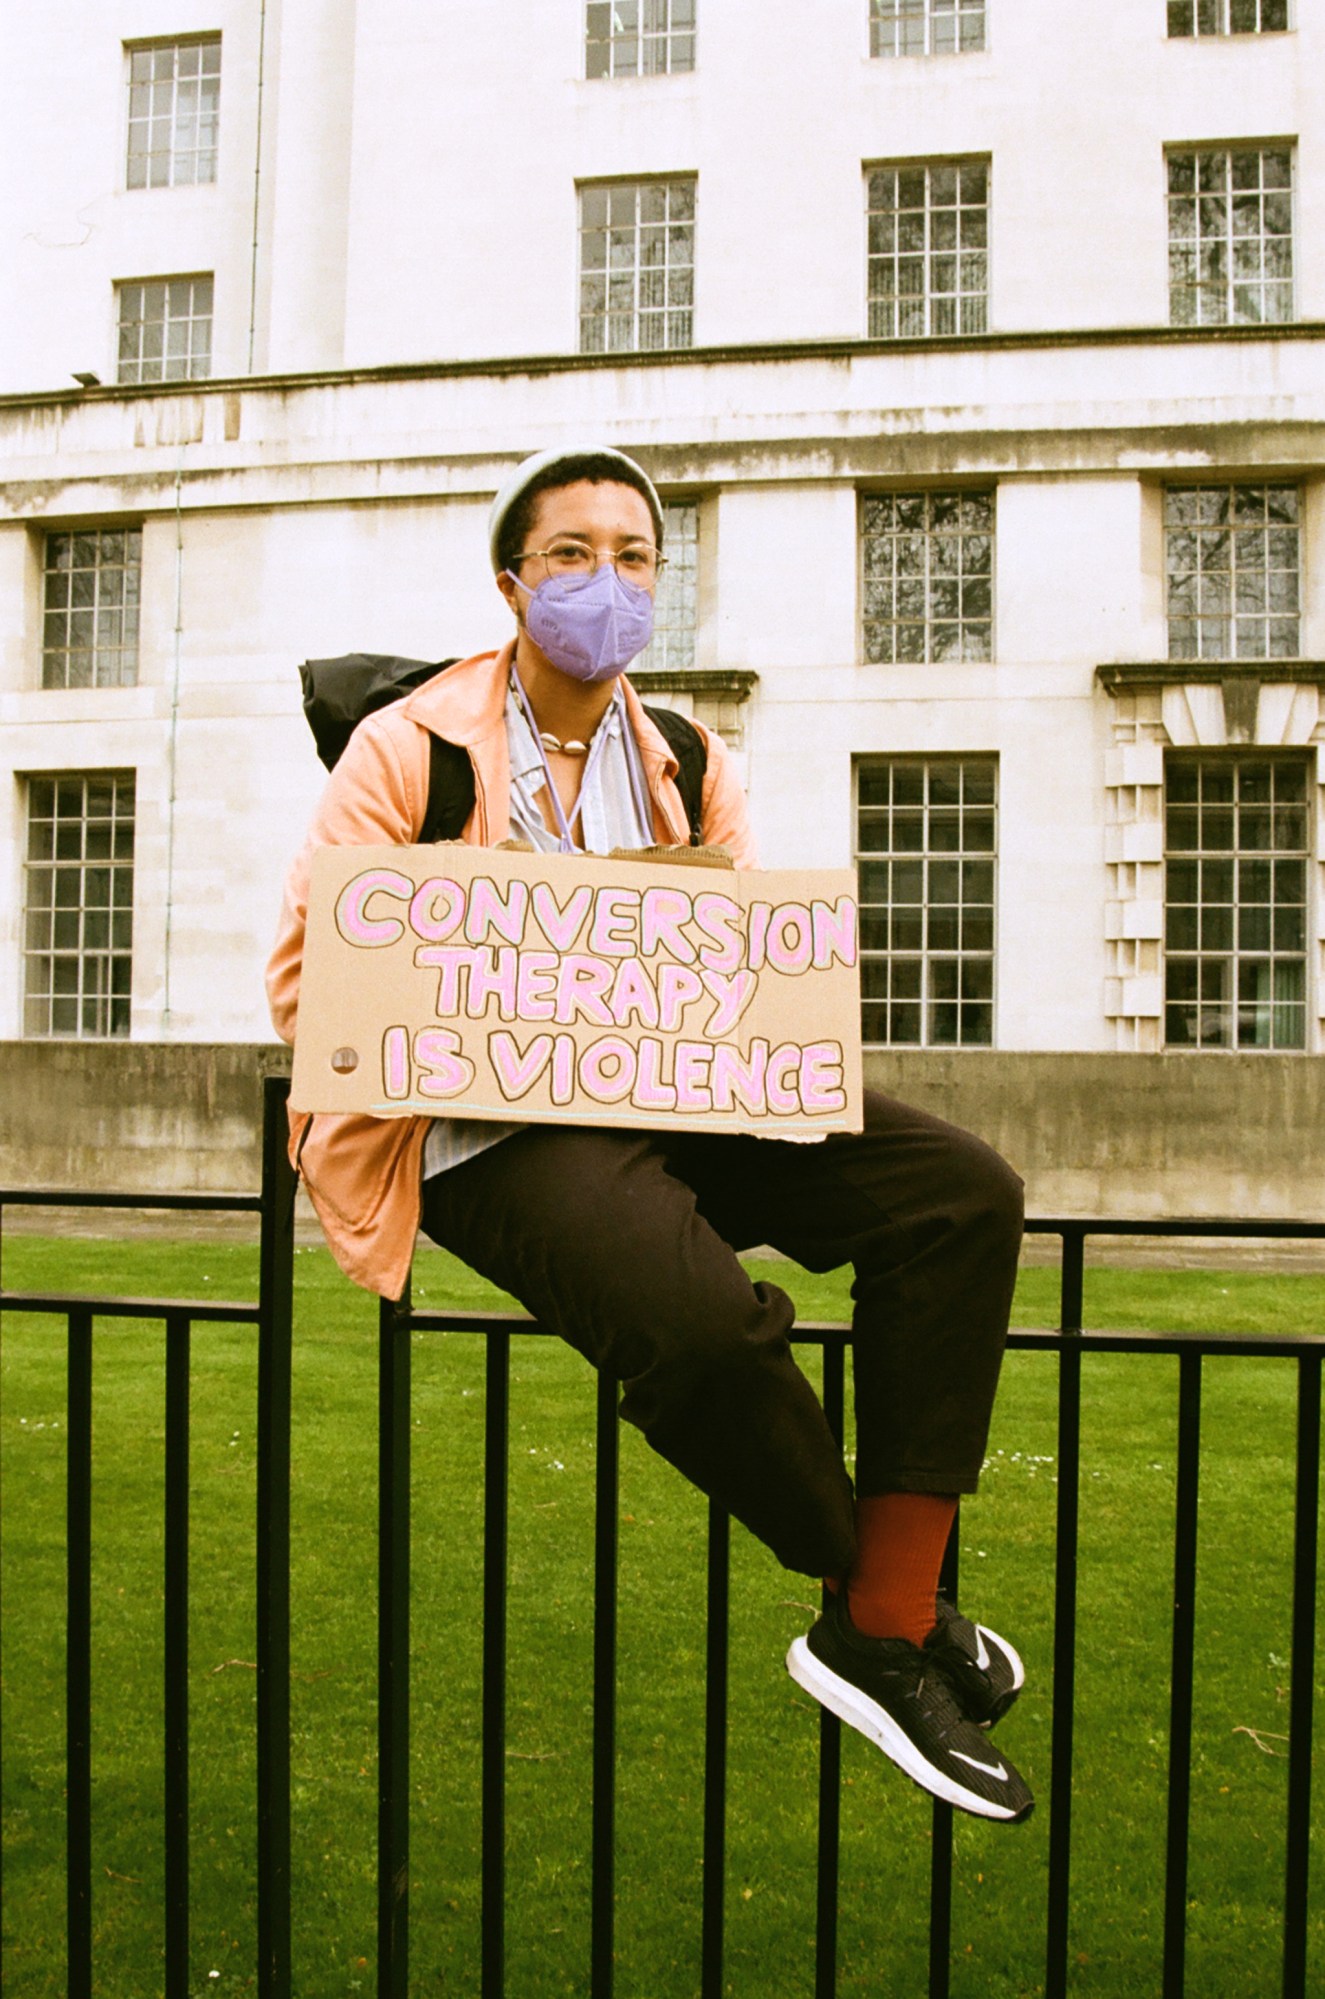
[1228, 17]
[638, 37]
[165, 329]
[928, 239]
[926, 27]
[1232, 559]
[637, 265]
[92, 585]
[927, 576]
[78, 941]
[1230, 235]
[1235, 919]
[925, 865]
[174, 110]
[676, 607]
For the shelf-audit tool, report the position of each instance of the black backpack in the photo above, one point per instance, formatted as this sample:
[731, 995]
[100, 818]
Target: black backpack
[338, 693]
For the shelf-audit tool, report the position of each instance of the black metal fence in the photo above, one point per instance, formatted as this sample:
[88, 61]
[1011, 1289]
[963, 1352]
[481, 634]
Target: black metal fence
[272, 1314]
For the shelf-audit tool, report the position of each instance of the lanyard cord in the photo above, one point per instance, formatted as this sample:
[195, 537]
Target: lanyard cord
[564, 824]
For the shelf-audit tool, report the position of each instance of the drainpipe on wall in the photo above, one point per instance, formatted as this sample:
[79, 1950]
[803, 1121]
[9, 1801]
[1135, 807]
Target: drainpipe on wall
[173, 737]
[257, 188]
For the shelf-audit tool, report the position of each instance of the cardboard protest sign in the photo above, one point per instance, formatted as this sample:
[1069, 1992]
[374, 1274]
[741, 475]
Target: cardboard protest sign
[480, 983]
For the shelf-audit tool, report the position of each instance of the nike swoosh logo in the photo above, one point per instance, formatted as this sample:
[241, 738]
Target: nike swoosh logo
[990, 1769]
[981, 1655]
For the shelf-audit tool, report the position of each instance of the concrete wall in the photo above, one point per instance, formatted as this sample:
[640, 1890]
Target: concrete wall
[1135, 1136]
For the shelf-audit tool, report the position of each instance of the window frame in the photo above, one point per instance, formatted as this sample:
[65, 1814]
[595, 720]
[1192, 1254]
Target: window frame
[672, 648]
[926, 11]
[638, 186]
[1194, 287]
[190, 320]
[1225, 31]
[1235, 954]
[128, 605]
[144, 45]
[927, 954]
[878, 255]
[108, 1006]
[931, 578]
[1237, 533]
[668, 37]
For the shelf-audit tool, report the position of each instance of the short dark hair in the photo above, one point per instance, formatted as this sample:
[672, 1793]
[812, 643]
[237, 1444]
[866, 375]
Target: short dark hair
[595, 466]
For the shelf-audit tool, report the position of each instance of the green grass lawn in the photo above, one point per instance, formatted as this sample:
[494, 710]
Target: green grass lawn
[1129, 1427]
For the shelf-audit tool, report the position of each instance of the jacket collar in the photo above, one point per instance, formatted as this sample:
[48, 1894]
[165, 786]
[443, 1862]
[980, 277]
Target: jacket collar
[467, 705]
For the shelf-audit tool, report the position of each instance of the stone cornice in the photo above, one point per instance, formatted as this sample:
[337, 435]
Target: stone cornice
[828, 349]
[1129, 675]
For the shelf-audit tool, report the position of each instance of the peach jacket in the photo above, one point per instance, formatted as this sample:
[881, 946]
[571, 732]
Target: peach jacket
[363, 1174]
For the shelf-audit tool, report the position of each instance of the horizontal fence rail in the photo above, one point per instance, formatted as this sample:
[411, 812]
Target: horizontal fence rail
[271, 1313]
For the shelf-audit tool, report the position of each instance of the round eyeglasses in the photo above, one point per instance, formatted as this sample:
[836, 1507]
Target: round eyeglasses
[638, 562]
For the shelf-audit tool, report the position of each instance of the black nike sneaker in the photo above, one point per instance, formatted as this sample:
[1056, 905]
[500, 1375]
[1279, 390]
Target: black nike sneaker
[985, 1671]
[899, 1696]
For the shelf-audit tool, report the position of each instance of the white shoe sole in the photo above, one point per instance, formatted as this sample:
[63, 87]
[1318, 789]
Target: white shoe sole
[858, 1711]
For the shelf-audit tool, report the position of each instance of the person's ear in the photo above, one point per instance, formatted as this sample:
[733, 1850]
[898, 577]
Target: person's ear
[511, 591]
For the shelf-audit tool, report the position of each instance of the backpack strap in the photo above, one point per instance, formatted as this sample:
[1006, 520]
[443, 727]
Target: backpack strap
[450, 791]
[688, 745]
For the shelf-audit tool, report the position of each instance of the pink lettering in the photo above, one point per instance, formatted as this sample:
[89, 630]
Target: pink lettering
[834, 932]
[536, 985]
[739, 1079]
[607, 1069]
[677, 987]
[354, 923]
[720, 920]
[651, 1093]
[492, 976]
[782, 1098]
[632, 992]
[395, 1062]
[437, 1052]
[448, 959]
[563, 1070]
[516, 1073]
[790, 938]
[488, 911]
[733, 995]
[615, 917]
[561, 923]
[692, 1081]
[821, 1077]
[424, 922]
[663, 912]
[759, 915]
[581, 984]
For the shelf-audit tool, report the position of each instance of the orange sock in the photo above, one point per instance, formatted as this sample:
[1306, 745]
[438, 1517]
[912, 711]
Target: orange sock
[900, 1542]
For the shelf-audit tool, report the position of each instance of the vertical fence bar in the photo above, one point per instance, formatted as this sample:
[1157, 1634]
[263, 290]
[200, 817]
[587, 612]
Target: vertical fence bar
[1306, 1513]
[78, 1655]
[1071, 1307]
[940, 1853]
[602, 1938]
[830, 1744]
[275, 1327]
[496, 1501]
[1180, 1696]
[715, 1751]
[393, 1496]
[177, 1655]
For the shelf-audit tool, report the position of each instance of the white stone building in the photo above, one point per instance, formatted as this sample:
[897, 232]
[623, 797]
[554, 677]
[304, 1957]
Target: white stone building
[976, 346]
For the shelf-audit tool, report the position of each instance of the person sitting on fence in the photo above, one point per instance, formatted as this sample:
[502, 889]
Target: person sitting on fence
[625, 1242]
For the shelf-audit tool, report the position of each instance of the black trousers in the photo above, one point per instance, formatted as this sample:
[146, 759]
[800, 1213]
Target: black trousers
[625, 1243]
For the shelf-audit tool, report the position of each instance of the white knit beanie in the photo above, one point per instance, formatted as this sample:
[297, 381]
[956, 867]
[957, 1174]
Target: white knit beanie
[531, 468]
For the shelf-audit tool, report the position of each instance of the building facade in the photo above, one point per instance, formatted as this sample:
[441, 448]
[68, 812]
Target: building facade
[975, 346]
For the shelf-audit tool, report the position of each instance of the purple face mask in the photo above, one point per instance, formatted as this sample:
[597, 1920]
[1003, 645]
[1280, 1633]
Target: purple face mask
[589, 628]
